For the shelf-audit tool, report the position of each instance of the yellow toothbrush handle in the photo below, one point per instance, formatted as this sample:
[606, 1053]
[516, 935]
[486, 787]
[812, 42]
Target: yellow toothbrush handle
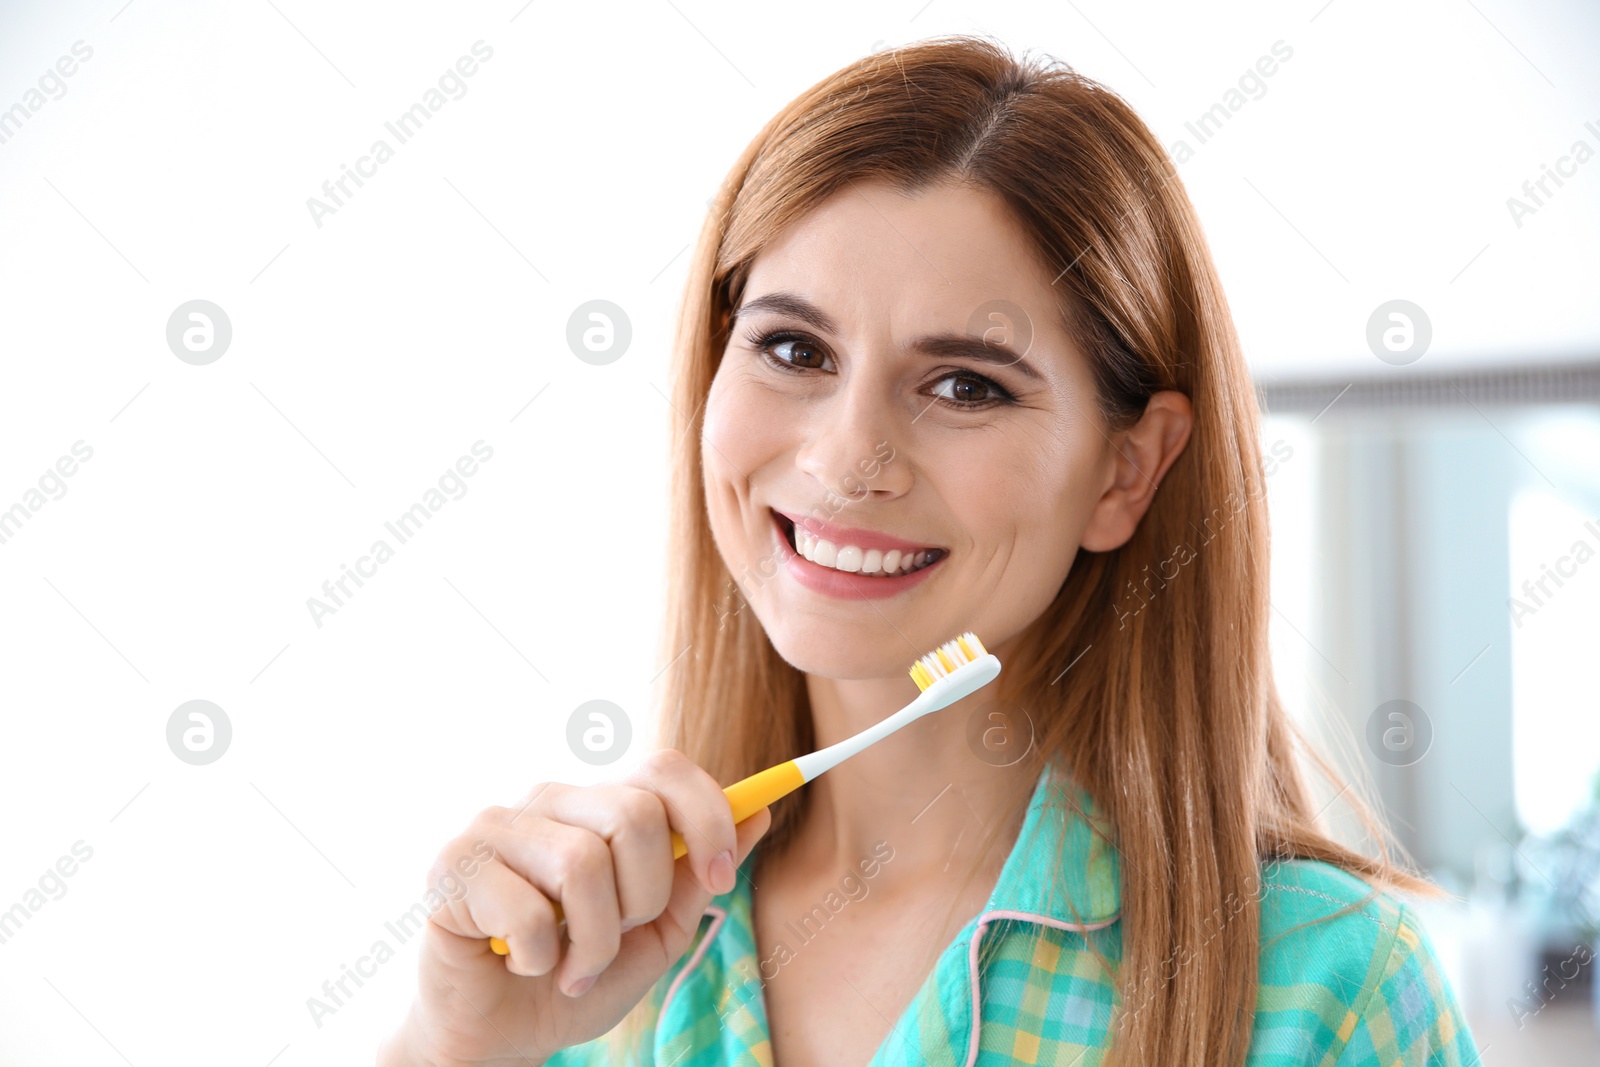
[745, 797]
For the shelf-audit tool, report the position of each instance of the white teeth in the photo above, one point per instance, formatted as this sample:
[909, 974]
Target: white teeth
[853, 559]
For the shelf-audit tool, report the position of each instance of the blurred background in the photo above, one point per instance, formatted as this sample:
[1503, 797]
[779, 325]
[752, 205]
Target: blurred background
[227, 380]
[1435, 629]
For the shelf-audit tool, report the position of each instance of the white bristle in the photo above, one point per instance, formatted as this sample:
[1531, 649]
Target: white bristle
[933, 665]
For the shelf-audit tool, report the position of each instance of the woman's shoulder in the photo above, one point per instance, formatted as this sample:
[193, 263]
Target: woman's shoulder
[1296, 891]
[1349, 964]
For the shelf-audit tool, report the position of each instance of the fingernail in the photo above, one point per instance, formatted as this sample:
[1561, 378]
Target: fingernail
[722, 872]
[581, 987]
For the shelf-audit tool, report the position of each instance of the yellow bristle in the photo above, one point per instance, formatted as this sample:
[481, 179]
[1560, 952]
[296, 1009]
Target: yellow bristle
[947, 659]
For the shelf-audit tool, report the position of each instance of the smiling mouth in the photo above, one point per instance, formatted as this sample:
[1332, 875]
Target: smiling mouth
[853, 559]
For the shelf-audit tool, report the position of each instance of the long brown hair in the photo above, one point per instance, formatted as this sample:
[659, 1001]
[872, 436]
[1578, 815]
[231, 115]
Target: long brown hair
[1171, 721]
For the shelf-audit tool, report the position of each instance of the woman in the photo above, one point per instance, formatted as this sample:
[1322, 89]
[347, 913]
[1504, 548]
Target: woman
[958, 359]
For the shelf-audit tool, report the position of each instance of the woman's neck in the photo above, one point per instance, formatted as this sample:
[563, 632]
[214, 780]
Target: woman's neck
[922, 791]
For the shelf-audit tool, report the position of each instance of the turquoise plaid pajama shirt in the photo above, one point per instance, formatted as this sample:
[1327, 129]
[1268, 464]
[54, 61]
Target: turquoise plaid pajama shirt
[1361, 990]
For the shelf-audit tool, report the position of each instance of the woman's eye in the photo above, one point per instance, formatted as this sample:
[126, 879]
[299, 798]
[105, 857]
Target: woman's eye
[800, 354]
[964, 389]
[969, 390]
[789, 351]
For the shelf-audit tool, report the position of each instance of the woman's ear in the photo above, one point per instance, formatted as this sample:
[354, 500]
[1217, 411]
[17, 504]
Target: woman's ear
[1141, 455]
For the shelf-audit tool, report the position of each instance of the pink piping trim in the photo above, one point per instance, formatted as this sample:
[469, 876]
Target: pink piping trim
[972, 960]
[705, 943]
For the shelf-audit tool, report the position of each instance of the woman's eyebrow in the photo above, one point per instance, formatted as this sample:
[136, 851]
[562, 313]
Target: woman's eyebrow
[783, 302]
[940, 346]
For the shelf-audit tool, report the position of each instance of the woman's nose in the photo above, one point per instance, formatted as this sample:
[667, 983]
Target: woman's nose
[850, 450]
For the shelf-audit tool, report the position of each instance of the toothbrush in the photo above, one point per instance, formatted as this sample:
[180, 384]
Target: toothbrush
[945, 675]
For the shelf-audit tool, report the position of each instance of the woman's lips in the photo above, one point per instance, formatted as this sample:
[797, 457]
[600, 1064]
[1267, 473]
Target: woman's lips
[846, 585]
[847, 535]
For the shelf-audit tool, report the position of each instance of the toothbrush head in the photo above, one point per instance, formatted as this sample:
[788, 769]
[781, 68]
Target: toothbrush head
[956, 668]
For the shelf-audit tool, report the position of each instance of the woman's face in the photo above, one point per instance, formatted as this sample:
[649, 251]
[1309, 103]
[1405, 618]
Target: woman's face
[874, 422]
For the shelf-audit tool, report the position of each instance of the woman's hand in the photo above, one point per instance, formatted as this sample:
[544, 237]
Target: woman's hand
[605, 853]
